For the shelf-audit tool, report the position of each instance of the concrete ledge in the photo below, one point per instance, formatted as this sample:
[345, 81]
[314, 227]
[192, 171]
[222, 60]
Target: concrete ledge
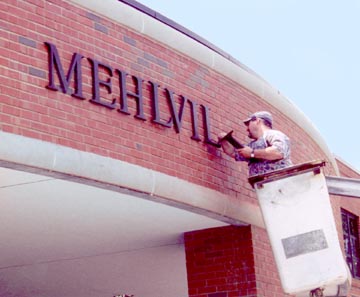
[27, 154]
[342, 186]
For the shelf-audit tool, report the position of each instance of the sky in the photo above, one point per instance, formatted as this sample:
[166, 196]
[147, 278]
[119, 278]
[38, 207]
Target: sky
[309, 50]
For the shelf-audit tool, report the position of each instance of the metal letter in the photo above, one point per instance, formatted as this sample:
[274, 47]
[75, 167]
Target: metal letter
[75, 67]
[124, 94]
[194, 122]
[155, 107]
[207, 127]
[96, 82]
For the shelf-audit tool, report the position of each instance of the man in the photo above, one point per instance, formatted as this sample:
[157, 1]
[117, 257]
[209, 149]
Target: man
[269, 150]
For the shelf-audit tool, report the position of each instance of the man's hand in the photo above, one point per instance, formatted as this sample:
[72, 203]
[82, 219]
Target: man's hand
[245, 152]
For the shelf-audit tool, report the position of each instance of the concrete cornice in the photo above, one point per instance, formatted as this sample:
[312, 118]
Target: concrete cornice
[348, 187]
[62, 162]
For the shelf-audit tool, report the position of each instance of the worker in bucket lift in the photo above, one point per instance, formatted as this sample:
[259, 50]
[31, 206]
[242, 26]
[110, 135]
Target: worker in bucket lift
[269, 149]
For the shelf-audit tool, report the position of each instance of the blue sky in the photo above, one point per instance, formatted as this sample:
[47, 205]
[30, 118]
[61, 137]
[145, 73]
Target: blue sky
[308, 50]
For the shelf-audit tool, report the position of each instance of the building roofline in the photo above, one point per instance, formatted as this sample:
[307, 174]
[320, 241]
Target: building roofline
[176, 26]
[351, 167]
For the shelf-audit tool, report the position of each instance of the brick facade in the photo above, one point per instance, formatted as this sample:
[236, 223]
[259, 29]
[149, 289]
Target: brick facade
[29, 108]
[231, 261]
[221, 262]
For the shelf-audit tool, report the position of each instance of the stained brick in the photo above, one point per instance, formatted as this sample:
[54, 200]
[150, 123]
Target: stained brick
[37, 72]
[101, 28]
[27, 41]
[142, 62]
[93, 17]
[130, 41]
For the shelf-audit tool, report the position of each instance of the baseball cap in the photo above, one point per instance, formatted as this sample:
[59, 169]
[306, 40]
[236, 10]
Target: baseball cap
[265, 115]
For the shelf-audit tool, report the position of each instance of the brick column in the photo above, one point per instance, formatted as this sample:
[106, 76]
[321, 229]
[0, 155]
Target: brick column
[220, 262]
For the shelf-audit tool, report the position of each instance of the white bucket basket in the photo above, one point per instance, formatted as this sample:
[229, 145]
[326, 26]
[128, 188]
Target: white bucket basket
[299, 220]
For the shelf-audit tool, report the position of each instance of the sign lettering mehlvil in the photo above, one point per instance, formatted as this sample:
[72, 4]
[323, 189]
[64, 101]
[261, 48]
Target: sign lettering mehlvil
[74, 71]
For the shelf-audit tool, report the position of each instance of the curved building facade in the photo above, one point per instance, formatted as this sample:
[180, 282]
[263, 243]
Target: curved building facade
[112, 182]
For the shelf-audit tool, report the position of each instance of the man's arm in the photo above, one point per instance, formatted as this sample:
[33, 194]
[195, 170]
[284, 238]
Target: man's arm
[270, 153]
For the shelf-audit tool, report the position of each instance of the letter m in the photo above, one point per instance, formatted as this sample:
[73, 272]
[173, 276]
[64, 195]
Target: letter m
[75, 68]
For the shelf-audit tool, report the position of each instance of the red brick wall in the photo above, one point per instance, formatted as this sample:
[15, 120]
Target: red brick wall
[267, 276]
[220, 262]
[28, 108]
[231, 261]
[346, 171]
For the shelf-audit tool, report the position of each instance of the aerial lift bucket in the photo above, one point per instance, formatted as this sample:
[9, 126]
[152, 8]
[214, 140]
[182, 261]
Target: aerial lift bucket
[299, 220]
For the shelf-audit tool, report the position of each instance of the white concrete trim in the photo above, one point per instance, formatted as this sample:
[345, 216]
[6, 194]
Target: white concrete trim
[342, 186]
[144, 24]
[151, 184]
